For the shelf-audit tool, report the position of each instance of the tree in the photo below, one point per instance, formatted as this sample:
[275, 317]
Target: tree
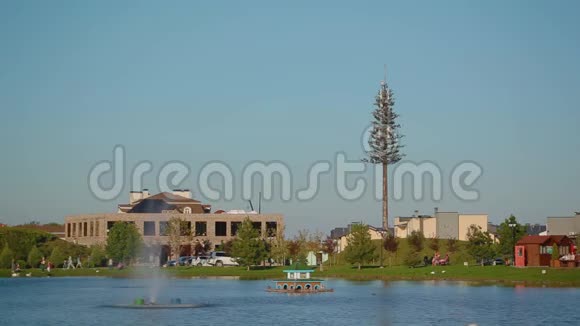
[297, 247]
[123, 242]
[248, 248]
[6, 257]
[434, 244]
[509, 236]
[480, 244]
[412, 258]
[360, 248]
[391, 245]
[57, 256]
[384, 141]
[294, 251]
[555, 252]
[177, 228]
[452, 245]
[34, 257]
[279, 247]
[98, 256]
[328, 247]
[202, 247]
[416, 240]
[314, 245]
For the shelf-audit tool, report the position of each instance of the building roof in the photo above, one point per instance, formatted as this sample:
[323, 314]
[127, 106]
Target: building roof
[298, 268]
[166, 201]
[540, 239]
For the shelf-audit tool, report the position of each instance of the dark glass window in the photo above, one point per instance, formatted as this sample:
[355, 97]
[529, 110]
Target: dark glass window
[200, 229]
[149, 228]
[221, 229]
[235, 226]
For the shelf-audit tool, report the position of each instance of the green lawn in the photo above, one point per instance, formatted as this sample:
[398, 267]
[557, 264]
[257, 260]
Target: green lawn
[340, 269]
[495, 274]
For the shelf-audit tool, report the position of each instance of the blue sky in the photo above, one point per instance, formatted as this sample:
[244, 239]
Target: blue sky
[493, 82]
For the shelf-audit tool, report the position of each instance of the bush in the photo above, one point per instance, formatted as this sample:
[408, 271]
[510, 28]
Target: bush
[555, 252]
[434, 244]
[416, 240]
[412, 258]
[34, 257]
[6, 257]
[57, 257]
[452, 245]
[21, 240]
[22, 264]
[98, 256]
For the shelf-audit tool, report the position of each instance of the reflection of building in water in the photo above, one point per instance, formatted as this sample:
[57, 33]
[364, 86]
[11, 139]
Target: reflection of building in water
[151, 214]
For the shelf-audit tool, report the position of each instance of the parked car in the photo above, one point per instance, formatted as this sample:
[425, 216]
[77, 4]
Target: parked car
[200, 261]
[220, 258]
[171, 263]
[494, 262]
[184, 260]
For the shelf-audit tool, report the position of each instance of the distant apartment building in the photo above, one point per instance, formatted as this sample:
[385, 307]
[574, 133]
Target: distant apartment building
[442, 225]
[535, 229]
[564, 225]
[151, 214]
[374, 232]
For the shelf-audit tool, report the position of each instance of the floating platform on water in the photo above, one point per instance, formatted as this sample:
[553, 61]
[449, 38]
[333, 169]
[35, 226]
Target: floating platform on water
[298, 291]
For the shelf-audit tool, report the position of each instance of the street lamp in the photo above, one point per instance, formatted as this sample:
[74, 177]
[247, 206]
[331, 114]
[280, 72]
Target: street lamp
[513, 226]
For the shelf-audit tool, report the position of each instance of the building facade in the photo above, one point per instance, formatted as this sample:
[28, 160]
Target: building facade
[564, 225]
[442, 225]
[151, 215]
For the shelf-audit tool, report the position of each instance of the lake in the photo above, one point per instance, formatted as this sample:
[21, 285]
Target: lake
[81, 301]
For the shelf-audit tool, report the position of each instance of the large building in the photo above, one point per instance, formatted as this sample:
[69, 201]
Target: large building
[564, 225]
[151, 215]
[442, 225]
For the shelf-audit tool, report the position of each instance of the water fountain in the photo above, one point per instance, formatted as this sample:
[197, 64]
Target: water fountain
[156, 282]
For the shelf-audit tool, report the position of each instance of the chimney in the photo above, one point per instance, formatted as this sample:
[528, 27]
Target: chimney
[182, 192]
[134, 196]
[436, 210]
[416, 213]
[145, 193]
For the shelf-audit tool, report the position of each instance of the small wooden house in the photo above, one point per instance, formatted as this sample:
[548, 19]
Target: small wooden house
[298, 281]
[536, 250]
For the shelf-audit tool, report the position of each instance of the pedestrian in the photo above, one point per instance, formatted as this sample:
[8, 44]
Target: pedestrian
[42, 264]
[48, 266]
[70, 263]
[110, 264]
[79, 264]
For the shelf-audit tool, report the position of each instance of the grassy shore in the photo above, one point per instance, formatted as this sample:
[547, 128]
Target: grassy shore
[486, 274]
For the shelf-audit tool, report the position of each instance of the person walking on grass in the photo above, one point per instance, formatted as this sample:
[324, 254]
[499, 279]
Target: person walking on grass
[79, 264]
[70, 263]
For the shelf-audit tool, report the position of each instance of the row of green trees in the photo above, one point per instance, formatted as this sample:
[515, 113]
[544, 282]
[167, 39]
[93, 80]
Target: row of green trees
[27, 247]
[480, 245]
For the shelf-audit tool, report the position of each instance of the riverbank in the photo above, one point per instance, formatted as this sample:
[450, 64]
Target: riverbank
[487, 274]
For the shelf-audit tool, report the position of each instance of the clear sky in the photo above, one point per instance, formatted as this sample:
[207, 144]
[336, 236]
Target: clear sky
[495, 82]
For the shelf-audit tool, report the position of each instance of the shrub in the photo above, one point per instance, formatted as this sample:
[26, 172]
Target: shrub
[57, 257]
[98, 256]
[34, 257]
[6, 257]
[555, 252]
[416, 239]
[434, 244]
[452, 245]
[412, 258]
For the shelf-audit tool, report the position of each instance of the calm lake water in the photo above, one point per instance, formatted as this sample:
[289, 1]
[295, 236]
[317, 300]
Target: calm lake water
[80, 301]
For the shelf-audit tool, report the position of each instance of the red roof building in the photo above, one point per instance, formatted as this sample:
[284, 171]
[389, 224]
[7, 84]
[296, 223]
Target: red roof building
[536, 250]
